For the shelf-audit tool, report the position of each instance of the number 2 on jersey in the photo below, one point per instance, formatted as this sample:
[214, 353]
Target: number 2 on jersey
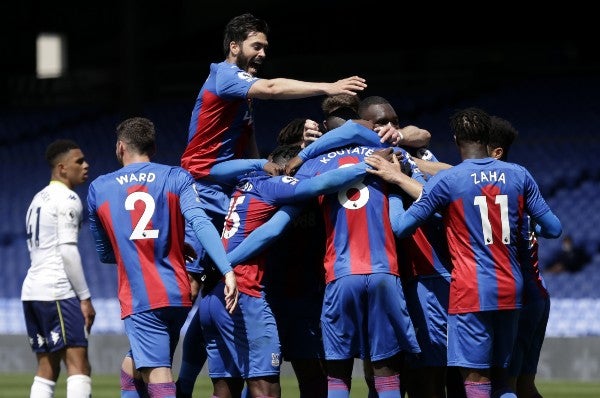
[140, 231]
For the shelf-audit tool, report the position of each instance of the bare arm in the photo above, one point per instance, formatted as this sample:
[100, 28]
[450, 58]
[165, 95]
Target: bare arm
[281, 88]
[392, 173]
[431, 168]
[409, 136]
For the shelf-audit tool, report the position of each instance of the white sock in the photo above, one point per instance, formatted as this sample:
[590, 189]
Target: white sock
[79, 386]
[42, 388]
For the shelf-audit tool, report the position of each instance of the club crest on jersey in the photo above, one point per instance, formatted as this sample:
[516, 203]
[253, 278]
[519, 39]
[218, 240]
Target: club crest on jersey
[245, 76]
[247, 187]
[289, 180]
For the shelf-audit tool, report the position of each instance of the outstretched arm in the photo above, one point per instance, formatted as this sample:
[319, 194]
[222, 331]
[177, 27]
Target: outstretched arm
[263, 236]
[330, 181]
[227, 172]
[351, 132]
[282, 88]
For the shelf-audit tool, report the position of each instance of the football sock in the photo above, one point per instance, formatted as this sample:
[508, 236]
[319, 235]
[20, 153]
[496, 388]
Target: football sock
[161, 390]
[42, 388]
[79, 386]
[478, 390]
[388, 386]
[338, 388]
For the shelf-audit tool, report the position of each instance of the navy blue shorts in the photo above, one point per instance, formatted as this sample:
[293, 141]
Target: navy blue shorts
[55, 325]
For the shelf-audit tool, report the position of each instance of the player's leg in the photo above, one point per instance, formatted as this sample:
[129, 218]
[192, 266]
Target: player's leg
[79, 370]
[132, 384]
[505, 324]
[153, 336]
[48, 369]
[193, 355]
[311, 376]
[344, 337]
[391, 333]
[42, 322]
[264, 359]
[339, 378]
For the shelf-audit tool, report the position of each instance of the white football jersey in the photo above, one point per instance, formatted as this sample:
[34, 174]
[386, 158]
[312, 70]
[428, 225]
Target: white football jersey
[54, 217]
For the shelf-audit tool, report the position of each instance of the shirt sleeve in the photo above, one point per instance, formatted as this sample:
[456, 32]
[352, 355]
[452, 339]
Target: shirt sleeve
[347, 134]
[74, 270]
[284, 190]
[103, 246]
[208, 237]
[228, 172]
[263, 236]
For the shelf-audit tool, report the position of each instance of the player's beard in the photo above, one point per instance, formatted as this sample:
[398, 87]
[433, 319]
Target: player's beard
[250, 65]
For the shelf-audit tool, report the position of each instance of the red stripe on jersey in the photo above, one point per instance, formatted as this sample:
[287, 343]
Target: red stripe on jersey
[507, 289]
[357, 221]
[330, 252]
[124, 288]
[358, 236]
[464, 286]
[215, 118]
[155, 289]
[176, 239]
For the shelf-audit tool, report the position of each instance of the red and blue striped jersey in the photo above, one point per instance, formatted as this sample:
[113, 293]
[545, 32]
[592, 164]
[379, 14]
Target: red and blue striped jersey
[138, 211]
[360, 239]
[425, 253]
[221, 122]
[483, 203]
[256, 198]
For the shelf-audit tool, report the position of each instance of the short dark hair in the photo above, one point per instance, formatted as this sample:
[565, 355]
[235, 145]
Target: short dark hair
[371, 100]
[292, 132]
[283, 153]
[58, 148]
[332, 103]
[238, 29]
[471, 124]
[502, 134]
[139, 134]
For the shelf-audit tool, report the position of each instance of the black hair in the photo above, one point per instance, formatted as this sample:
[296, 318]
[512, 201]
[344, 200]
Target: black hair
[292, 132]
[139, 134]
[334, 102]
[282, 153]
[238, 29]
[58, 148]
[471, 124]
[502, 134]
